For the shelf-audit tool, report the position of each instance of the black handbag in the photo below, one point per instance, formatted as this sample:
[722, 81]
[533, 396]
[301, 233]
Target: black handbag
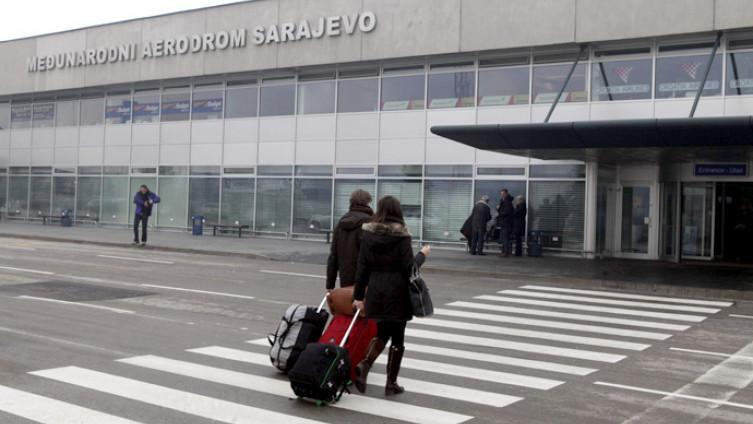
[419, 295]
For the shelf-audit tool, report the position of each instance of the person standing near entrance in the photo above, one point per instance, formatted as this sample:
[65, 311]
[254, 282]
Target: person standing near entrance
[519, 222]
[480, 216]
[346, 241]
[145, 201]
[505, 221]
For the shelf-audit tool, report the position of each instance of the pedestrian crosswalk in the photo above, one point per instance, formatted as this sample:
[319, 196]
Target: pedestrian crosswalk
[473, 358]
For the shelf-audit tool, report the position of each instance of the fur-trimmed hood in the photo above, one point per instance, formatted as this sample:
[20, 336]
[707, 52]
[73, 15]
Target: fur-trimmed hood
[394, 229]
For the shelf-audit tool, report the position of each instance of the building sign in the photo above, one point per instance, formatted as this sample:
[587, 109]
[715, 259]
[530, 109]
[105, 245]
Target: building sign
[721, 170]
[331, 26]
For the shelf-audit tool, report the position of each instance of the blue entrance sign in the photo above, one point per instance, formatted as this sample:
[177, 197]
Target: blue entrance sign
[721, 170]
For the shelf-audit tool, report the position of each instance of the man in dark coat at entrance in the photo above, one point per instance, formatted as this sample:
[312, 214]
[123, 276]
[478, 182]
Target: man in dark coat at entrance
[346, 241]
[480, 216]
[505, 221]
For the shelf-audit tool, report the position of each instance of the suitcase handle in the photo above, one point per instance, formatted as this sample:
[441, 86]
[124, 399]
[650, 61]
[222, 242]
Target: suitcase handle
[350, 327]
[321, 305]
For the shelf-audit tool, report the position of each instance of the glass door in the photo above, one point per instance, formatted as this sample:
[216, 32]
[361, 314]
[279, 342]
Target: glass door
[697, 220]
[635, 220]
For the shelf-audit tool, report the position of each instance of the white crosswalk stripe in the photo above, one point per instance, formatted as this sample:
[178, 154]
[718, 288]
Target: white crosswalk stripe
[591, 308]
[630, 296]
[570, 316]
[613, 331]
[433, 389]
[631, 303]
[472, 354]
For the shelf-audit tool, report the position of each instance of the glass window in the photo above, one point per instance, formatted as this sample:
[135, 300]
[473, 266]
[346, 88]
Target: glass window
[449, 171]
[20, 115]
[241, 101]
[92, 111]
[87, 201]
[4, 116]
[39, 197]
[492, 188]
[621, 80]
[455, 89]
[44, 115]
[176, 105]
[503, 86]
[116, 199]
[67, 114]
[681, 76]
[273, 205]
[173, 207]
[409, 194]
[403, 92]
[204, 198]
[118, 109]
[548, 79]
[207, 104]
[558, 171]
[146, 107]
[316, 97]
[136, 182]
[18, 196]
[276, 170]
[739, 73]
[557, 209]
[237, 201]
[312, 210]
[358, 95]
[277, 100]
[3, 192]
[400, 170]
[343, 190]
[447, 205]
[314, 170]
[63, 194]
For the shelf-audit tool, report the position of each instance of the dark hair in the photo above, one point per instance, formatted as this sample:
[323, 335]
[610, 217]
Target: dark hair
[144, 186]
[388, 210]
[360, 198]
[504, 190]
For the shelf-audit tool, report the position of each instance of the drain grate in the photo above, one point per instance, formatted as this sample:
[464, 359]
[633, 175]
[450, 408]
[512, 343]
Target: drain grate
[71, 292]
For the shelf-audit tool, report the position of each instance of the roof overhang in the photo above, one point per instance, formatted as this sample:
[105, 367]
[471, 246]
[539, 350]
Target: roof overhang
[723, 139]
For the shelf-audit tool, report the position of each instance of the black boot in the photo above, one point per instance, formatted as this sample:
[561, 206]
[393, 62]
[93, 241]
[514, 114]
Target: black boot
[393, 368]
[376, 346]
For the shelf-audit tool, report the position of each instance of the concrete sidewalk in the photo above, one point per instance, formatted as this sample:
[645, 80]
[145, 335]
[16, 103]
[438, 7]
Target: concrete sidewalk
[686, 279]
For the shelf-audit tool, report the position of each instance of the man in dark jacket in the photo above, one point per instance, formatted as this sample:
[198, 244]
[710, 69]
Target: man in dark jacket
[505, 221]
[480, 216]
[519, 223]
[346, 241]
[144, 199]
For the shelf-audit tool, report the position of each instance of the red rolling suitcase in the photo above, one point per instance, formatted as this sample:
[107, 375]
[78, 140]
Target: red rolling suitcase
[363, 331]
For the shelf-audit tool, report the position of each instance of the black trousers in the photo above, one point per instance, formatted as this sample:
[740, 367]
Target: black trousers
[518, 244]
[477, 242]
[505, 240]
[143, 219]
[394, 330]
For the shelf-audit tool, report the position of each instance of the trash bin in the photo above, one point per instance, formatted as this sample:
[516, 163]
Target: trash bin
[198, 225]
[66, 218]
[534, 244]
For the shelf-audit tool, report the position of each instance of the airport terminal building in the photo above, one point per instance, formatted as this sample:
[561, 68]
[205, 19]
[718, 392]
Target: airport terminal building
[270, 113]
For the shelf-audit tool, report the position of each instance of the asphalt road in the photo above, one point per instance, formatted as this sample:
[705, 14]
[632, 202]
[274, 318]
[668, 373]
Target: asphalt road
[115, 335]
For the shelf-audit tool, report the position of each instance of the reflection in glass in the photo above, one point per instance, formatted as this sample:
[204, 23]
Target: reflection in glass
[92, 111]
[455, 89]
[67, 114]
[4, 116]
[343, 190]
[739, 73]
[207, 104]
[312, 202]
[316, 97]
[118, 110]
[39, 196]
[503, 86]
[3, 191]
[87, 200]
[176, 105]
[548, 79]
[63, 194]
[697, 211]
[20, 115]
[273, 205]
[408, 192]
[204, 199]
[447, 204]
[277, 100]
[146, 108]
[43, 115]
[240, 101]
[237, 201]
[681, 76]
[621, 80]
[558, 209]
[358, 95]
[18, 196]
[635, 219]
[403, 92]
[116, 200]
[172, 210]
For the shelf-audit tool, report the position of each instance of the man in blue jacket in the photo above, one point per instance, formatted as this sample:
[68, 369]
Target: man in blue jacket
[144, 200]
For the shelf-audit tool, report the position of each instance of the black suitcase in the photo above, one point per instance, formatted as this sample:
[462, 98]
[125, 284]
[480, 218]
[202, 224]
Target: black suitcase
[322, 372]
[299, 326]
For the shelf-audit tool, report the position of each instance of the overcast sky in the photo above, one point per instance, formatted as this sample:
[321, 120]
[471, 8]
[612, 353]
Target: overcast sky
[24, 18]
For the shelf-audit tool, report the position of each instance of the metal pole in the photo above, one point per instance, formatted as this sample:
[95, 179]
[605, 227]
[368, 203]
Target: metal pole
[706, 73]
[564, 84]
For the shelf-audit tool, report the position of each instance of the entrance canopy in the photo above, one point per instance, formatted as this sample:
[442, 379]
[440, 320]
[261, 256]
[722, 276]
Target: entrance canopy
[621, 141]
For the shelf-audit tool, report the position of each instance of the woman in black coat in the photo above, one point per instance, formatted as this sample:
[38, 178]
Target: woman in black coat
[385, 263]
